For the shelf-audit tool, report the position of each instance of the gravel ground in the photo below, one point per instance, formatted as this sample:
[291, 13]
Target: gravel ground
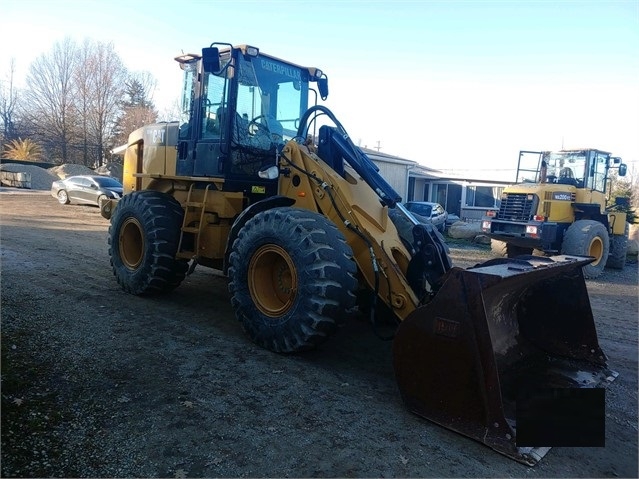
[98, 383]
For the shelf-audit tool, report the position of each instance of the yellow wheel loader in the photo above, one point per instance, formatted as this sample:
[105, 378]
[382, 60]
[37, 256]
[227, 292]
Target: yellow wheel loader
[559, 206]
[254, 182]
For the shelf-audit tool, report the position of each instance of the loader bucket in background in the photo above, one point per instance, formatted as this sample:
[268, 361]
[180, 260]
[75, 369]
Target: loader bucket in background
[504, 328]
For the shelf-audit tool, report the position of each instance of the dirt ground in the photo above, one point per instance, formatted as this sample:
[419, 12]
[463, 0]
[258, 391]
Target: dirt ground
[98, 383]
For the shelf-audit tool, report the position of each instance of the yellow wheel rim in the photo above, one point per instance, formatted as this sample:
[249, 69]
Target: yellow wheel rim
[272, 280]
[131, 243]
[596, 249]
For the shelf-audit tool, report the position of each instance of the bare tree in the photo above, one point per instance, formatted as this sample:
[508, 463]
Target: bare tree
[73, 100]
[49, 100]
[99, 79]
[8, 100]
[172, 112]
[85, 89]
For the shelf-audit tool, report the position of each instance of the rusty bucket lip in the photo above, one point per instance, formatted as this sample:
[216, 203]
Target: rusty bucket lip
[532, 454]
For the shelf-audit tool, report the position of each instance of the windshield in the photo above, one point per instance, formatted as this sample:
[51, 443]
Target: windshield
[272, 93]
[421, 209]
[271, 98]
[567, 165]
[107, 182]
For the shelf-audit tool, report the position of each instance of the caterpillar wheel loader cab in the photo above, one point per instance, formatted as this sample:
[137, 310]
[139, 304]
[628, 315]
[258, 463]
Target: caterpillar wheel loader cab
[558, 205]
[274, 193]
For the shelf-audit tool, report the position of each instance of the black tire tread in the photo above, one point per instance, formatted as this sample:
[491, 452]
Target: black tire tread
[577, 240]
[326, 278]
[161, 218]
[618, 250]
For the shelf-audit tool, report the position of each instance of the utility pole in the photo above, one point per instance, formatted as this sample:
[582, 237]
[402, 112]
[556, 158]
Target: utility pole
[378, 147]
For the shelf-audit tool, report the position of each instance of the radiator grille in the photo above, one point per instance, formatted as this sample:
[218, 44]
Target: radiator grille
[516, 207]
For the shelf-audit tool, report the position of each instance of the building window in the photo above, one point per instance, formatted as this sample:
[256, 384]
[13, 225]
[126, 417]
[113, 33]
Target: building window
[439, 193]
[483, 196]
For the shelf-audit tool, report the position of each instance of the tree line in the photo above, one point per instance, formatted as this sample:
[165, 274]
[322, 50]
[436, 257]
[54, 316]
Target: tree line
[79, 102]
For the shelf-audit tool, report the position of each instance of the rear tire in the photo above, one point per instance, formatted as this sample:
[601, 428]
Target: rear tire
[143, 240]
[292, 278]
[498, 248]
[618, 250]
[588, 238]
[513, 251]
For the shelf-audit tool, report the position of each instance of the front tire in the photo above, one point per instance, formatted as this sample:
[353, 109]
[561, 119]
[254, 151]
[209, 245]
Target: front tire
[143, 240]
[498, 248]
[588, 238]
[512, 251]
[292, 278]
[63, 197]
[503, 249]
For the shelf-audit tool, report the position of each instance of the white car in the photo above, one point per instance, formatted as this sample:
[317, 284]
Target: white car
[434, 213]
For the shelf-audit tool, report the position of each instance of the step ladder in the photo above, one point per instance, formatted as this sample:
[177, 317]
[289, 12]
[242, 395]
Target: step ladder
[190, 234]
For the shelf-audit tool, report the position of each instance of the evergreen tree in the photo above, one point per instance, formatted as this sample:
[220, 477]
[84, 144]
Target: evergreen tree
[137, 110]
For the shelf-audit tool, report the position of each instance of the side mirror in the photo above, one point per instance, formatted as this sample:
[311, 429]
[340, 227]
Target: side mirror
[210, 60]
[623, 169]
[322, 85]
[269, 172]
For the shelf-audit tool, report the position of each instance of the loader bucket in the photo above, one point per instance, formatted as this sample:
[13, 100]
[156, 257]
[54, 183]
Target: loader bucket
[493, 333]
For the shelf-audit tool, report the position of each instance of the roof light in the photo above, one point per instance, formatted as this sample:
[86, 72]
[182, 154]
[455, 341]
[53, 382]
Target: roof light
[252, 51]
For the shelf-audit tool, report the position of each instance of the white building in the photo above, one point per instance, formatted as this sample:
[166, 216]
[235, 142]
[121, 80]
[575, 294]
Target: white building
[465, 197]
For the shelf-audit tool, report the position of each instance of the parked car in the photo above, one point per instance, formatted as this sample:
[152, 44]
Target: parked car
[431, 212]
[86, 189]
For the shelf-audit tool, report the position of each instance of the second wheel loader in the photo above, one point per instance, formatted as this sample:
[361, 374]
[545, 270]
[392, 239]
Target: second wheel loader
[559, 206]
[274, 193]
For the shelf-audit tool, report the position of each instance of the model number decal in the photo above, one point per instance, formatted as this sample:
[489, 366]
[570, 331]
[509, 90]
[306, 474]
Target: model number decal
[561, 196]
[258, 189]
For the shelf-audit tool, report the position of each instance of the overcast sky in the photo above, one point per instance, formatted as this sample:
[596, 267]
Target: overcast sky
[450, 84]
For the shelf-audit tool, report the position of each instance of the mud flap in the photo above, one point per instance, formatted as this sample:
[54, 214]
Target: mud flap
[492, 333]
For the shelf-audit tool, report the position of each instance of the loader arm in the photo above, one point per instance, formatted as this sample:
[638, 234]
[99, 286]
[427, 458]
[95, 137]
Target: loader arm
[342, 183]
[470, 343]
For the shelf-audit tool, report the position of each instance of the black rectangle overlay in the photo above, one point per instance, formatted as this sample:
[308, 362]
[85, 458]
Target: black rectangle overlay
[561, 417]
